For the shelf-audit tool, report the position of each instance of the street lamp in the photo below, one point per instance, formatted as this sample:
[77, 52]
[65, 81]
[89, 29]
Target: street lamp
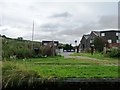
[75, 45]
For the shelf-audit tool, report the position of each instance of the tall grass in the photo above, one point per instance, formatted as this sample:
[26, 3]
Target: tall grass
[19, 49]
[13, 75]
[24, 72]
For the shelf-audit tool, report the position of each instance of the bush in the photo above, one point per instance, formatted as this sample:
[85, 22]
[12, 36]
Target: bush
[24, 53]
[47, 50]
[114, 52]
[20, 49]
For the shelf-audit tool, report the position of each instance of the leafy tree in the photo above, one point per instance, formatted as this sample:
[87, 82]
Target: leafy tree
[68, 47]
[99, 43]
[20, 38]
[4, 36]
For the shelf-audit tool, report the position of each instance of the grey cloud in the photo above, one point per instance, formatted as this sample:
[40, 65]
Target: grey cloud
[105, 22]
[17, 21]
[67, 34]
[49, 25]
[109, 22]
[59, 15]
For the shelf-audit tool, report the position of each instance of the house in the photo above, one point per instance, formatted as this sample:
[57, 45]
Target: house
[111, 36]
[51, 47]
[92, 36]
[84, 43]
[56, 43]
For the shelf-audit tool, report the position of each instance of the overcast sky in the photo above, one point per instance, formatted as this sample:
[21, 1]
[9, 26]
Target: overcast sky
[63, 20]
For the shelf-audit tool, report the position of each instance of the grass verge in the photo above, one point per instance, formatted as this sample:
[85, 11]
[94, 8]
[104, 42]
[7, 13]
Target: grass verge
[95, 55]
[15, 71]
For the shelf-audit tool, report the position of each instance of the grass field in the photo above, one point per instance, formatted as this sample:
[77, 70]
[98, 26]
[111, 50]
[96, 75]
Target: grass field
[60, 67]
[95, 55]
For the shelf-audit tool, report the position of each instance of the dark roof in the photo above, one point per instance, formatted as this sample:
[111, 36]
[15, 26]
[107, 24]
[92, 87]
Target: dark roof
[110, 31]
[97, 33]
[49, 41]
[86, 36]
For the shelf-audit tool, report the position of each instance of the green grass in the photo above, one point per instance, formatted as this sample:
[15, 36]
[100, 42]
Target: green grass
[59, 67]
[77, 71]
[95, 55]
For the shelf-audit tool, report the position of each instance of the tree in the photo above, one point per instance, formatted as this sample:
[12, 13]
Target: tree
[4, 36]
[20, 38]
[99, 43]
[68, 47]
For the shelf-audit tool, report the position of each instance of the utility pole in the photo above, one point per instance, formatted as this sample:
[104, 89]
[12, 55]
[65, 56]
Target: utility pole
[1, 23]
[32, 34]
[53, 50]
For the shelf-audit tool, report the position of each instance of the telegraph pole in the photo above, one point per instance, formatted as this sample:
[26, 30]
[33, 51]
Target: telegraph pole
[53, 52]
[1, 23]
[32, 34]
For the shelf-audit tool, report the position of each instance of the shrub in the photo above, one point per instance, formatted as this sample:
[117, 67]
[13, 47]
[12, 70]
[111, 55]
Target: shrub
[114, 52]
[20, 49]
[48, 50]
[24, 53]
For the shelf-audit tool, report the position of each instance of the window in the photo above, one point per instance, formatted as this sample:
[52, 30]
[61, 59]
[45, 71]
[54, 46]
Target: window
[45, 43]
[102, 34]
[117, 33]
[117, 41]
[91, 41]
[55, 44]
[119, 36]
[109, 41]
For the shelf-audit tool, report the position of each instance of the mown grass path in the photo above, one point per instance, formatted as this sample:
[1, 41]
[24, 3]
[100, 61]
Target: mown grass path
[89, 57]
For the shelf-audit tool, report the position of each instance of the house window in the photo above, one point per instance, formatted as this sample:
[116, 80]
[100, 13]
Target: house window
[117, 41]
[118, 36]
[117, 33]
[55, 44]
[109, 41]
[102, 34]
[45, 43]
[91, 41]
